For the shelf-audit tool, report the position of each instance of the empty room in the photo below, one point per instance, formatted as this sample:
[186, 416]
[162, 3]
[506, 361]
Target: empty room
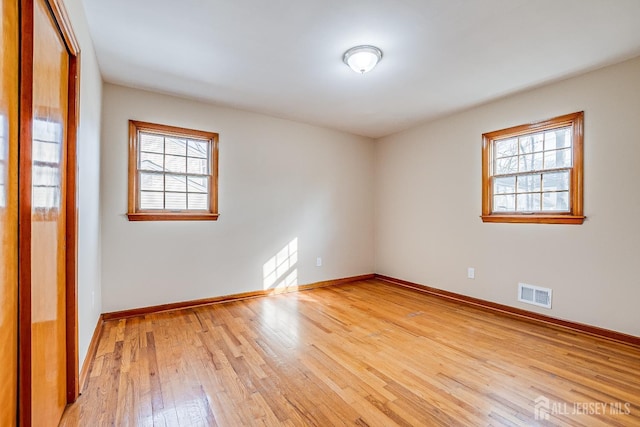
[319, 213]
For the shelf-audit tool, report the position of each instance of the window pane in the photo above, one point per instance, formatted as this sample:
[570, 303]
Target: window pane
[526, 144]
[528, 183]
[176, 183]
[198, 166]
[504, 185]
[175, 164]
[558, 138]
[530, 162]
[555, 181]
[528, 202]
[504, 203]
[531, 143]
[506, 165]
[556, 201]
[198, 185]
[151, 143]
[151, 162]
[506, 147]
[151, 182]
[176, 201]
[151, 200]
[557, 159]
[198, 201]
[177, 146]
[538, 142]
[198, 149]
[525, 163]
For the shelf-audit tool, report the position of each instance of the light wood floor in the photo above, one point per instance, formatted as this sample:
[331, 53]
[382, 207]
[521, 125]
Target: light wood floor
[366, 354]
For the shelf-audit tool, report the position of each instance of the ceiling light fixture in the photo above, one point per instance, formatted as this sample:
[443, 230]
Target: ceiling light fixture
[362, 59]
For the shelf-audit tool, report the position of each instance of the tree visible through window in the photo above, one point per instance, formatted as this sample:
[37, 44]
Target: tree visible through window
[172, 173]
[533, 173]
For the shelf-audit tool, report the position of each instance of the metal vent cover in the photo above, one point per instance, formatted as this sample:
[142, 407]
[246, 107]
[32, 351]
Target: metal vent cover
[535, 295]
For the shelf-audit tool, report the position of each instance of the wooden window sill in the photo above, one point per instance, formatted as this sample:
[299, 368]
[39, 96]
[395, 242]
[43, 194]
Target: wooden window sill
[535, 219]
[160, 216]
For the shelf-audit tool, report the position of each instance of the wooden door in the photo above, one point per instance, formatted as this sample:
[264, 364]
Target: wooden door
[9, 67]
[50, 95]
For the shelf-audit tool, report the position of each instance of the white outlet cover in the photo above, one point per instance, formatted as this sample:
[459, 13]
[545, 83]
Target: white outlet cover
[471, 273]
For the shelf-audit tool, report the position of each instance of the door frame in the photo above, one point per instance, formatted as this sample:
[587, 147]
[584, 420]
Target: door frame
[61, 17]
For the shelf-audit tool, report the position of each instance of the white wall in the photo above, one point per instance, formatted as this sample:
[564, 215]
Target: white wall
[278, 181]
[428, 203]
[89, 289]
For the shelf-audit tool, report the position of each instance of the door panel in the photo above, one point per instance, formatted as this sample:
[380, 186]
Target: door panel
[9, 67]
[48, 201]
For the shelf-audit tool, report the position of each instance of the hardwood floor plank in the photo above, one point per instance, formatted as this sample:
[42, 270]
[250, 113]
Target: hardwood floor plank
[366, 353]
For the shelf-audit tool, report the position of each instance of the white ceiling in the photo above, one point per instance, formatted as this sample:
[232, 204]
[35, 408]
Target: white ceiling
[284, 57]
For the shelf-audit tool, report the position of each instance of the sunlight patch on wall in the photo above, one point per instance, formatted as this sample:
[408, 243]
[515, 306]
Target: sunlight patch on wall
[280, 270]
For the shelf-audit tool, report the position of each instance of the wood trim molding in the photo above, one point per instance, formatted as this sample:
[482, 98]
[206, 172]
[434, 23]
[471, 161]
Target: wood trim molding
[71, 216]
[516, 312]
[61, 17]
[64, 24]
[91, 354]
[186, 216]
[534, 219]
[134, 312]
[24, 203]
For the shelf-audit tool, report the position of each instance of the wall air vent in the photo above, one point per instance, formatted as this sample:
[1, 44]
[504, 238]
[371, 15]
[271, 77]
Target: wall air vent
[534, 295]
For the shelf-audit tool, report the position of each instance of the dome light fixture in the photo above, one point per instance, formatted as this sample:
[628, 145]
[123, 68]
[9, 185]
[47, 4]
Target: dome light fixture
[362, 59]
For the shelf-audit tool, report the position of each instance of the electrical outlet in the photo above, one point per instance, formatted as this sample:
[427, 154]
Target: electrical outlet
[471, 273]
[318, 262]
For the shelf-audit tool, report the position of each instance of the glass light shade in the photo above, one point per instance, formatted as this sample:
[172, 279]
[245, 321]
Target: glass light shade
[362, 59]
